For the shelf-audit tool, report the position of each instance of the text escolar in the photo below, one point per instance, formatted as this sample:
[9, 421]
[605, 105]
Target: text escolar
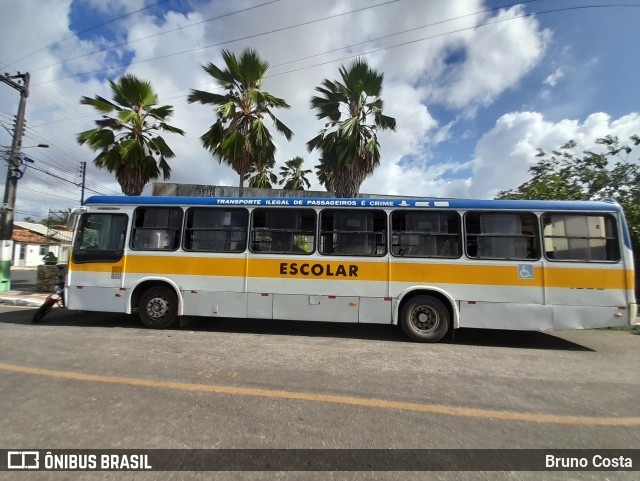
[318, 270]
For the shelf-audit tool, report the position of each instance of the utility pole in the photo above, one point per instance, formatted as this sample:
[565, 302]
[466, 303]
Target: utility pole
[13, 173]
[83, 170]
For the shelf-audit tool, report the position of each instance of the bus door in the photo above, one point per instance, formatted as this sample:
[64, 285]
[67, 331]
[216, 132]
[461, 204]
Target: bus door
[585, 275]
[96, 265]
[503, 284]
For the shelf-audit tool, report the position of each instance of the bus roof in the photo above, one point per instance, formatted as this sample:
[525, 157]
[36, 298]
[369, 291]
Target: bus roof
[606, 206]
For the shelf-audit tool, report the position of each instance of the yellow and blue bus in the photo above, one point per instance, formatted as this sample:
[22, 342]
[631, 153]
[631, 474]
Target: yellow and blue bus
[429, 266]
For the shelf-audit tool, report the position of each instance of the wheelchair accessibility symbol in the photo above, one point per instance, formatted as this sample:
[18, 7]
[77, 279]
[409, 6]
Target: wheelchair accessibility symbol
[525, 271]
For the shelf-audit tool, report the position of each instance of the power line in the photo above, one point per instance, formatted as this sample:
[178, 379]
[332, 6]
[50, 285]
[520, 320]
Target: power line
[72, 109]
[277, 30]
[533, 14]
[37, 137]
[49, 194]
[36, 174]
[379, 38]
[405, 31]
[88, 30]
[345, 47]
[26, 212]
[360, 43]
[44, 98]
[397, 45]
[73, 182]
[123, 44]
[72, 168]
[66, 159]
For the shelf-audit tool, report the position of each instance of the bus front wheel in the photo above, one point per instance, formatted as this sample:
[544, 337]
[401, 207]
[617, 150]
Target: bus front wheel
[158, 307]
[425, 319]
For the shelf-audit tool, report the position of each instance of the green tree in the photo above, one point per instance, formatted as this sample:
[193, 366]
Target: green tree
[324, 170]
[262, 176]
[294, 177]
[566, 174]
[348, 144]
[239, 137]
[128, 141]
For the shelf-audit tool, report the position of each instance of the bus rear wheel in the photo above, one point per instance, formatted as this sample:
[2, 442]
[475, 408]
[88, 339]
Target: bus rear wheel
[425, 319]
[158, 307]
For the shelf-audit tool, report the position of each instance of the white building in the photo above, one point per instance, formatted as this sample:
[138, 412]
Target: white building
[31, 242]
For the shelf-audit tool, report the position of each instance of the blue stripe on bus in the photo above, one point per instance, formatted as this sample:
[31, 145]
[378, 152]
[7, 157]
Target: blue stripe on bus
[604, 206]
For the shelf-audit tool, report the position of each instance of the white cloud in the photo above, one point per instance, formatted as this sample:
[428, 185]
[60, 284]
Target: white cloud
[459, 72]
[505, 153]
[497, 57]
[553, 79]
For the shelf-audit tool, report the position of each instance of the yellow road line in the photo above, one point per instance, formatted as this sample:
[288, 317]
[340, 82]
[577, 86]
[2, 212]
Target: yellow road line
[328, 398]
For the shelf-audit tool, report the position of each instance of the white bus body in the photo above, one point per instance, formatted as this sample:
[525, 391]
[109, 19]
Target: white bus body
[430, 266]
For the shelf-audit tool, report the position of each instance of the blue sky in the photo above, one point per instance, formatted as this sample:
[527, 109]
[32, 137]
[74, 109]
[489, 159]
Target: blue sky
[472, 102]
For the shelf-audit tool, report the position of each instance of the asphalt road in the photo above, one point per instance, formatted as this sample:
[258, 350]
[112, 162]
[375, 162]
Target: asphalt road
[83, 380]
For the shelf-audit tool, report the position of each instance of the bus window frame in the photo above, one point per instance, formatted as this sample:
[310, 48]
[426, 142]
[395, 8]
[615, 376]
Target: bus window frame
[99, 255]
[294, 232]
[385, 234]
[616, 231]
[537, 236]
[460, 234]
[246, 229]
[133, 228]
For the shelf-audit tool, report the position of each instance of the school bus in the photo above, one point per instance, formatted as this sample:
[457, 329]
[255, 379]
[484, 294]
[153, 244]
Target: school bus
[429, 266]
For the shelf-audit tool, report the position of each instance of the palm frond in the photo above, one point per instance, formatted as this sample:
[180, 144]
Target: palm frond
[134, 153]
[239, 136]
[205, 98]
[99, 103]
[170, 128]
[251, 68]
[280, 127]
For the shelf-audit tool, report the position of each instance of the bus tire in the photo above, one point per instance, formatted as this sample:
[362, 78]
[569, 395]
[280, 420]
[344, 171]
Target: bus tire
[158, 307]
[425, 319]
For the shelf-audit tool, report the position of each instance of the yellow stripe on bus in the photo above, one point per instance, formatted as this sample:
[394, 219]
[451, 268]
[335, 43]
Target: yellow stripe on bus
[96, 266]
[463, 274]
[589, 278]
[381, 271]
[165, 265]
[564, 277]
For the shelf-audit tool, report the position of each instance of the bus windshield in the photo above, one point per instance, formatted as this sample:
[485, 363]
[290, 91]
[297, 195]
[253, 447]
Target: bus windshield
[100, 238]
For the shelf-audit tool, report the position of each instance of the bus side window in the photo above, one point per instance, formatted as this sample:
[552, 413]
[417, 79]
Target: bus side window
[353, 232]
[283, 231]
[502, 235]
[425, 234]
[580, 237]
[216, 229]
[156, 228]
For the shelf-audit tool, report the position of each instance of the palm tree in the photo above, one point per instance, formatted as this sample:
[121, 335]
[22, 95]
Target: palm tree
[293, 176]
[238, 137]
[127, 141]
[262, 176]
[349, 143]
[326, 168]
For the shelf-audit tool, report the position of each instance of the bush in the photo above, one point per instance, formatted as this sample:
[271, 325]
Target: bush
[50, 259]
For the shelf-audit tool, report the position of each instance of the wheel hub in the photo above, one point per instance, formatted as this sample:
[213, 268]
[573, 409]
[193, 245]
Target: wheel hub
[425, 319]
[157, 307]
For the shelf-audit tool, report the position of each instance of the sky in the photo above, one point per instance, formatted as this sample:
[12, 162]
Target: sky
[476, 86]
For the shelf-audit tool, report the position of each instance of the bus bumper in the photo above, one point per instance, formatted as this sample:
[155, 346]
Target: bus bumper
[633, 314]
